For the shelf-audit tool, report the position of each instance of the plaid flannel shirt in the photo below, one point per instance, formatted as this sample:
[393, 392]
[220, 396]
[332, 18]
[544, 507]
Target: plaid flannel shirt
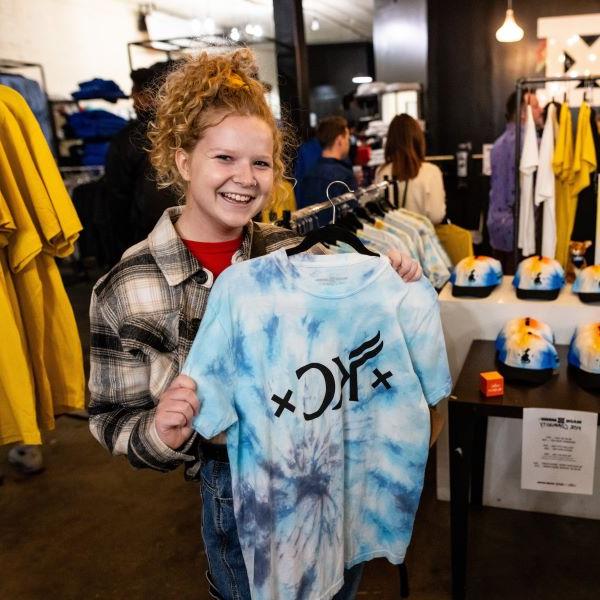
[144, 315]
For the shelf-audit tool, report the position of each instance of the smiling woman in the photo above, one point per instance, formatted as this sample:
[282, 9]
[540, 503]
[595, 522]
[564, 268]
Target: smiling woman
[230, 177]
[215, 141]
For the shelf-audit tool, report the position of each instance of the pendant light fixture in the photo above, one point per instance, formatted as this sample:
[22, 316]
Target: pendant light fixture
[510, 31]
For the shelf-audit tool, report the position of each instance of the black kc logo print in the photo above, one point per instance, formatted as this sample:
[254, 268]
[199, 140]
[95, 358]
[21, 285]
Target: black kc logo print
[349, 375]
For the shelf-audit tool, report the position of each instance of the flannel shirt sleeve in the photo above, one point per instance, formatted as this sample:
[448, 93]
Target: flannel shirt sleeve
[121, 407]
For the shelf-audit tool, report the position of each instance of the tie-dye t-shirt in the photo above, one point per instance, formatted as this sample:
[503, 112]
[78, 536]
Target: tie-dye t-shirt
[320, 369]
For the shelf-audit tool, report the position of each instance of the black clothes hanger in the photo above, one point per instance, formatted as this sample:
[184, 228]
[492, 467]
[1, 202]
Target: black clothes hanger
[374, 209]
[330, 234]
[362, 213]
[351, 222]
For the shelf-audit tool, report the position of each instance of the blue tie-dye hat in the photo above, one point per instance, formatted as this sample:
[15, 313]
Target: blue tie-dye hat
[539, 278]
[476, 276]
[525, 351]
[584, 355]
[587, 284]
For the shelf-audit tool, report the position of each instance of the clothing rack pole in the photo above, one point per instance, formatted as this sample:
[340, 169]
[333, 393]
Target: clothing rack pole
[338, 200]
[522, 83]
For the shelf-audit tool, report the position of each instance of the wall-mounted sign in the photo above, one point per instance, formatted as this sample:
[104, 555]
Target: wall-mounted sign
[572, 49]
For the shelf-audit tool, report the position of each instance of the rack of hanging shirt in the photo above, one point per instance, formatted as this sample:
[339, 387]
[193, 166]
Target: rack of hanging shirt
[34, 91]
[41, 357]
[374, 216]
[556, 173]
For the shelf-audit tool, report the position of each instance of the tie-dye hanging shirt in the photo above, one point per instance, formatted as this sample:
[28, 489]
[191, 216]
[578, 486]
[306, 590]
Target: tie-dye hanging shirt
[321, 370]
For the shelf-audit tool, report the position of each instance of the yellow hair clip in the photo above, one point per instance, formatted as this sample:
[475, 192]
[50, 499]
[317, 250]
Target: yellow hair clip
[235, 81]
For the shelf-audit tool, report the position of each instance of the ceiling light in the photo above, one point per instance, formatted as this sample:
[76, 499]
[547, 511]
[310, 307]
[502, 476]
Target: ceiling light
[362, 79]
[315, 25]
[573, 40]
[592, 57]
[254, 30]
[510, 31]
[234, 34]
[209, 26]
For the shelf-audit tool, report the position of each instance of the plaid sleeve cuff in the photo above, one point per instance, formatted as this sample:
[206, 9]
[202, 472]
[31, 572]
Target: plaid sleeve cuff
[146, 449]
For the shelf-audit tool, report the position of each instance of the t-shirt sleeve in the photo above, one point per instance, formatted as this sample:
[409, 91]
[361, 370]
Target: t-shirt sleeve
[425, 342]
[210, 365]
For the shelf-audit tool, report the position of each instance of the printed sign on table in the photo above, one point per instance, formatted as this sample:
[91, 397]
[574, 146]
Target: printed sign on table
[558, 450]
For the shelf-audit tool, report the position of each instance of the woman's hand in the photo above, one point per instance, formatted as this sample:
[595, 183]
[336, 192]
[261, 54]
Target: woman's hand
[176, 408]
[405, 266]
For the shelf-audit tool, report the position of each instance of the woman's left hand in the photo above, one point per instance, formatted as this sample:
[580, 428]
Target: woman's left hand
[405, 266]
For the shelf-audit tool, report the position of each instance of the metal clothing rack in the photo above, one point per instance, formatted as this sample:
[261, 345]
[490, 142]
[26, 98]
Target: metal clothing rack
[176, 45]
[523, 83]
[343, 201]
[9, 63]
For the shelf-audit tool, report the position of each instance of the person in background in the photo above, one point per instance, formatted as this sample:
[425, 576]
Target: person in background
[420, 183]
[132, 198]
[500, 219]
[334, 136]
[308, 156]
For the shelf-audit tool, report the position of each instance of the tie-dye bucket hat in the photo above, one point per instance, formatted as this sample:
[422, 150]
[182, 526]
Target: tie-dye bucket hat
[539, 278]
[476, 276]
[587, 284]
[525, 351]
[584, 355]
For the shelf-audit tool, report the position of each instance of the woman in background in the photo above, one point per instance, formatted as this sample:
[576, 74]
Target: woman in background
[420, 184]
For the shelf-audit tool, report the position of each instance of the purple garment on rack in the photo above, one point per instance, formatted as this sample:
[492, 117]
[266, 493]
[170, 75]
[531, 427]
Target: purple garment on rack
[500, 220]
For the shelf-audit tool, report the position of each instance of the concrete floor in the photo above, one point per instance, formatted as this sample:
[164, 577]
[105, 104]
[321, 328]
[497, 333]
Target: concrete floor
[90, 526]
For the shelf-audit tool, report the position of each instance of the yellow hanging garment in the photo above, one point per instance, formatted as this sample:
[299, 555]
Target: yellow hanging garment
[566, 199]
[457, 242]
[57, 196]
[18, 421]
[283, 199]
[584, 158]
[52, 335]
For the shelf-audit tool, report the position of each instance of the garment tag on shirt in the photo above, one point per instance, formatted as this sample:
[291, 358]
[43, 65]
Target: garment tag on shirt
[331, 279]
[558, 450]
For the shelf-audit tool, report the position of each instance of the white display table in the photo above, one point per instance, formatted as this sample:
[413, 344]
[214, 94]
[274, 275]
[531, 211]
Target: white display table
[467, 319]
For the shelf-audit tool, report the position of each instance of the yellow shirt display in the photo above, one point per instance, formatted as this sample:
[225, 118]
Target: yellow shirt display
[283, 199]
[457, 242]
[584, 158]
[18, 421]
[51, 331]
[566, 199]
[57, 195]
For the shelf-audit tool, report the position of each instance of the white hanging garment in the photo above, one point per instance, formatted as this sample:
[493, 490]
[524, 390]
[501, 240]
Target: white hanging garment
[544, 186]
[527, 168]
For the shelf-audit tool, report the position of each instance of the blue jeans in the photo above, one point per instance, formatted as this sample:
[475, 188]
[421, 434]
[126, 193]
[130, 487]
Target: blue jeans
[226, 574]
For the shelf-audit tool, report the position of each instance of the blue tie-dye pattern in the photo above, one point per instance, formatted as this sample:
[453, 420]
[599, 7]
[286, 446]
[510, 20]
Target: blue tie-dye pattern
[270, 330]
[298, 484]
[238, 347]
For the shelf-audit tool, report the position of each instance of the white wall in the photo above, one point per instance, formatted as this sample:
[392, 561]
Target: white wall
[74, 40]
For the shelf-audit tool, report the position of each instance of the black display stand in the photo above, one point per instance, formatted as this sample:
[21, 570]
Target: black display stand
[468, 411]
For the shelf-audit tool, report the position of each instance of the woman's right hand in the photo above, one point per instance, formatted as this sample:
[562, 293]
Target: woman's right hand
[176, 408]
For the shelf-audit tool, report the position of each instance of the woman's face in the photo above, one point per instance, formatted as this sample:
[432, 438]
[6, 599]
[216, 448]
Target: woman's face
[230, 177]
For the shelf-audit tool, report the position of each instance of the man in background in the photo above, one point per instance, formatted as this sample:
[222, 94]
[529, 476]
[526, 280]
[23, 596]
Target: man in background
[133, 201]
[334, 136]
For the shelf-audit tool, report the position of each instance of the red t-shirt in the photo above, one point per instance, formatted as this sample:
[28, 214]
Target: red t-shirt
[215, 256]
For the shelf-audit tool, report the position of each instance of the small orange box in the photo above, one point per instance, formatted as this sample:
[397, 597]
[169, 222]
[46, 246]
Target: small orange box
[491, 383]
